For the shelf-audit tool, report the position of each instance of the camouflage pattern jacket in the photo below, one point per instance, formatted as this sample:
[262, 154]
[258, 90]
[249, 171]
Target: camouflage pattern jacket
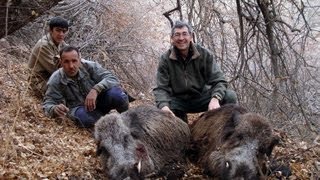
[43, 61]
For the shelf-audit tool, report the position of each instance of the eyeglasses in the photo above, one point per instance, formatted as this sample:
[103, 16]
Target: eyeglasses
[184, 34]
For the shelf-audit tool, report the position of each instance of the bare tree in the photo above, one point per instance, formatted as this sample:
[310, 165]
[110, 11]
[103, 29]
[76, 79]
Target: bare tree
[108, 31]
[16, 14]
[268, 66]
[168, 13]
[261, 45]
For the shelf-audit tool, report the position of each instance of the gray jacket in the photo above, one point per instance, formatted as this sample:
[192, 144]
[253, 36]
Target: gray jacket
[73, 91]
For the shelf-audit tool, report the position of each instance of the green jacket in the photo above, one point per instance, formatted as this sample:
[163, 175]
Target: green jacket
[190, 78]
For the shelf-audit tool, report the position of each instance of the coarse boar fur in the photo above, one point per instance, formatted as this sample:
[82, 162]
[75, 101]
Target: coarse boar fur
[142, 134]
[231, 143]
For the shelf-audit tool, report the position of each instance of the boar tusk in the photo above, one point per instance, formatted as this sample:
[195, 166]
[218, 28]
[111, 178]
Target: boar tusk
[227, 165]
[139, 166]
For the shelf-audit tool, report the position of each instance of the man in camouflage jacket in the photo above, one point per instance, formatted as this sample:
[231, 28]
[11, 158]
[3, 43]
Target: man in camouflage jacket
[44, 58]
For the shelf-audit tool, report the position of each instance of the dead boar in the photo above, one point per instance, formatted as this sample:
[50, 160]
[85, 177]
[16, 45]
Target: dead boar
[142, 142]
[231, 143]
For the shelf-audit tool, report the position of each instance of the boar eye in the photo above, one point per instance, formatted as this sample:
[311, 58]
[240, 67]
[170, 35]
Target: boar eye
[240, 136]
[135, 135]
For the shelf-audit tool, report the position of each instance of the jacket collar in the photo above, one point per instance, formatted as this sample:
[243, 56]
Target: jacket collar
[195, 55]
[50, 41]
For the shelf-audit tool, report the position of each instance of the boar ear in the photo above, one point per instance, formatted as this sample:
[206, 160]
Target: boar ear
[230, 125]
[275, 141]
[136, 125]
[267, 149]
[193, 150]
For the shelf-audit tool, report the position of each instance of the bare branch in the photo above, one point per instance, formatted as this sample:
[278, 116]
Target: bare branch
[168, 13]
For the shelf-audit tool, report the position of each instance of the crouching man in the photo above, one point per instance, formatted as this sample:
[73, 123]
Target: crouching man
[82, 90]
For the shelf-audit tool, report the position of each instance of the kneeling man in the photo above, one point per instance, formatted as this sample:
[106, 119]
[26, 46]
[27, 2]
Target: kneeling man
[82, 90]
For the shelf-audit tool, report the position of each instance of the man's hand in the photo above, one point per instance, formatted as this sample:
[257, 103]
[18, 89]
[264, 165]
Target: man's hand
[167, 109]
[214, 104]
[90, 102]
[61, 110]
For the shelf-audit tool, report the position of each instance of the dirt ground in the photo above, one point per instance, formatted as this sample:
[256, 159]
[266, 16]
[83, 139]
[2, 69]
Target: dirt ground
[36, 147]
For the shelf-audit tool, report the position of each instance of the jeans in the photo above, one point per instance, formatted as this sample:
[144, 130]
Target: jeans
[113, 98]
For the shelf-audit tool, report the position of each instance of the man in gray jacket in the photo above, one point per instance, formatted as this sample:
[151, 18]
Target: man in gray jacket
[188, 78]
[82, 90]
[44, 58]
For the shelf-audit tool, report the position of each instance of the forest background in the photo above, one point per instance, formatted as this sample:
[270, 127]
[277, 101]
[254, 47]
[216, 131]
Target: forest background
[267, 48]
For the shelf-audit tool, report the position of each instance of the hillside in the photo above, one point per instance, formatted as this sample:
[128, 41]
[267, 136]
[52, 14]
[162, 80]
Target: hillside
[36, 147]
[128, 37]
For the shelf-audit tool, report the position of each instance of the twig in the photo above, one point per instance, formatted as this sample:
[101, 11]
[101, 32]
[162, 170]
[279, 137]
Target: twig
[26, 148]
[7, 15]
[168, 13]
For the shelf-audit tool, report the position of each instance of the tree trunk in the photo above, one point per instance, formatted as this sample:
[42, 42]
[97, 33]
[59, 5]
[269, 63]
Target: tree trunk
[274, 51]
[14, 14]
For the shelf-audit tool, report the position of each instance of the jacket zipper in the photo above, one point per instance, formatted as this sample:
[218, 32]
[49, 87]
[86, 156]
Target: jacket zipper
[185, 74]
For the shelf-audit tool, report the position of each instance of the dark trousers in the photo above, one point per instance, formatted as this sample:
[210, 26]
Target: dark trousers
[113, 98]
[181, 107]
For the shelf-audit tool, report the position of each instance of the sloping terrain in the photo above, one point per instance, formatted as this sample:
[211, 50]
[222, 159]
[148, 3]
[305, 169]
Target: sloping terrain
[36, 147]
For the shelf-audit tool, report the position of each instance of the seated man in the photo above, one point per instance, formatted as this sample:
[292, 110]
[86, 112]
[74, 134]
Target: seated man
[188, 77]
[82, 90]
[44, 58]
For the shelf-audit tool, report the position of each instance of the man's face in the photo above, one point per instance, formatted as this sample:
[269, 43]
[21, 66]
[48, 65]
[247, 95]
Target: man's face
[181, 38]
[58, 34]
[70, 62]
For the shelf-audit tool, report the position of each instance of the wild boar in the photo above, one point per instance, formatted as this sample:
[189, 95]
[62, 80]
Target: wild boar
[142, 142]
[231, 143]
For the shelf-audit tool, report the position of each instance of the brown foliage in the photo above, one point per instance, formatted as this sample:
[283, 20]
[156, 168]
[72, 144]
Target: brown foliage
[34, 146]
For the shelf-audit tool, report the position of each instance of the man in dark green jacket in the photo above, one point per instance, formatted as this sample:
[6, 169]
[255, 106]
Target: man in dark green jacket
[188, 78]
